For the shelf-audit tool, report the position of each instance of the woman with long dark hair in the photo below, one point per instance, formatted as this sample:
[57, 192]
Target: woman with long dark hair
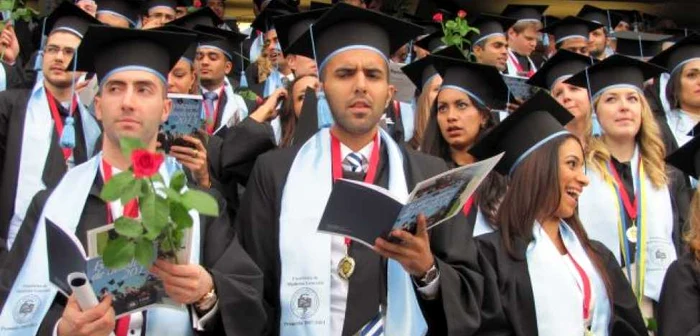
[292, 106]
[679, 306]
[460, 115]
[543, 276]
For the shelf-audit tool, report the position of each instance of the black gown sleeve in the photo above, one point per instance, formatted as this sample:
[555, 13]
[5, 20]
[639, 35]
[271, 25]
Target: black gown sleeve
[679, 305]
[681, 194]
[238, 282]
[242, 145]
[627, 318]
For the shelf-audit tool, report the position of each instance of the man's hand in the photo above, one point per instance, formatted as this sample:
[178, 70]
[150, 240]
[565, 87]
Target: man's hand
[195, 159]
[96, 321]
[186, 284]
[413, 252]
[268, 110]
[10, 45]
[149, 23]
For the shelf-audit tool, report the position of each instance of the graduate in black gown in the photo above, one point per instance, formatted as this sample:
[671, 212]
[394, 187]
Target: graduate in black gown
[280, 211]
[33, 122]
[460, 115]
[222, 290]
[543, 276]
[679, 306]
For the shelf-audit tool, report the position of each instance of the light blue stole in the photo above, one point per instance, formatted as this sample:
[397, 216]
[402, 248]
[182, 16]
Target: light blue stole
[36, 142]
[408, 118]
[558, 300]
[64, 207]
[305, 254]
[3, 78]
[234, 105]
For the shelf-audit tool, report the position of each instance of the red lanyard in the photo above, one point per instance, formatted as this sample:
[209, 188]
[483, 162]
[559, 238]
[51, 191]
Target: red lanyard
[519, 67]
[586, 289]
[215, 114]
[468, 206]
[630, 208]
[338, 164]
[131, 209]
[58, 121]
[397, 110]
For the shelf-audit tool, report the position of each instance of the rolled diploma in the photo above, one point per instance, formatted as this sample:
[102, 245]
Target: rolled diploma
[82, 290]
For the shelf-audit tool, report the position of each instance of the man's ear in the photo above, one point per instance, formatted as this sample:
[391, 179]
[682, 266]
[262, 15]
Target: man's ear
[392, 93]
[98, 107]
[167, 107]
[228, 67]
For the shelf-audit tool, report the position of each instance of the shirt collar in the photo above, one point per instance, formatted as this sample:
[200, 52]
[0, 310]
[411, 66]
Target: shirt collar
[366, 151]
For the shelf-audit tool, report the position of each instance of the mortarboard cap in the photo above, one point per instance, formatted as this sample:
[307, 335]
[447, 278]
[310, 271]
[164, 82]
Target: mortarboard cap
[370, 30]
[609, 19]
[191, 52]
[70, 18]
[533, 124]
[548, 20]
[525, 12]
[429, 26]
[228, 42]
[432, 42]
[483, 83]
[151, 50]
[489, 26]
[291, 27]
[264, 20]
[630, 16]
[571, 27]
[127, 9]
[561, 66]
[616, 70]
[307, 125]
[203, 16]
[680, 53]
[420, 72]
[641, 45]
[314, 5]
[687, 157]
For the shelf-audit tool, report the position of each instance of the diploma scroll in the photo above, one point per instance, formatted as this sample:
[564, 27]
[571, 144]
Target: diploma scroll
[82, 291]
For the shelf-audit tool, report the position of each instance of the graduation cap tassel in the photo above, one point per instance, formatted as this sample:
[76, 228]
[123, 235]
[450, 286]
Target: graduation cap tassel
[641, 51]
[68, 136]
[325, 118]
[40, 54]
[409, 54]
[243, 82]
[545, 36]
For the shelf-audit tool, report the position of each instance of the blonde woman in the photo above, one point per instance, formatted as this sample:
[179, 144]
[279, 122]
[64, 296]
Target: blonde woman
[628, 205]
[679, 307]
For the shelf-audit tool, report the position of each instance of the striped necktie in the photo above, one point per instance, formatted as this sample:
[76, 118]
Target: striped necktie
[355, 162]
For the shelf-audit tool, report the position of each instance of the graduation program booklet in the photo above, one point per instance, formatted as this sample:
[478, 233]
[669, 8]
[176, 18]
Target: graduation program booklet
[518, 87]
[364, 212]
[132, 287]
[185, 119]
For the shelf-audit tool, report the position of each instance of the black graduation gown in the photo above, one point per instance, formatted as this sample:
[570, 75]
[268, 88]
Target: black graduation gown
[509, 305]
[396, 130]
[13, 109]
[237, 280]
[454, 312]
[679, 305]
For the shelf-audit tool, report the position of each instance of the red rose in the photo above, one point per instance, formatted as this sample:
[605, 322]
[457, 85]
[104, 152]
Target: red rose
[197, 4]
[437, 17]
[462, 13]
[145, 163]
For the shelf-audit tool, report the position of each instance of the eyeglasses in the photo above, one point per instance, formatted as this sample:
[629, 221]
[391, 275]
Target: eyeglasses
[53, 50]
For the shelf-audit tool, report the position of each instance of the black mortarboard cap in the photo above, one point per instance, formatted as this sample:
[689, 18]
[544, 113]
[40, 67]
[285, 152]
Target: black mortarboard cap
[128, 9]
[641, 45]
[314, 5]
[191, 51]
[149, 49]
[687, 157]
[229, 42]
[368, 29]
[571, 27]
[606, 17]
[432, 42]
[203, 16]
[548, 20]
[629, 16]
[429, 25]
[562, 65]
[69, 17]
[264, 20]
[422, 70]
[534, 123]
[482, 83]
[291, 27]
[307, 125]
[525, 12]
[615, 70]
[674, 57]
[490, 25]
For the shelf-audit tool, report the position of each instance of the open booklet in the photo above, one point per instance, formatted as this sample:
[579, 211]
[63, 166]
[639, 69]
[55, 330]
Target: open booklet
[132, 287]
[363, 212]
[519, 88]
[185, 119]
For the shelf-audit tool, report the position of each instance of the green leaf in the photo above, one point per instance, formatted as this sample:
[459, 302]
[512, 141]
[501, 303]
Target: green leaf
[173, 196]
[180, 216]
[451, 25]
[114, 188]
[463, 29]
[128, 227]
[118, 253]
[158, 178]
[154, 212]
[178, 181]
[131, 190]
[445, 40]
[204, 203]
[128, 145]
[145, 252]
[151, 235]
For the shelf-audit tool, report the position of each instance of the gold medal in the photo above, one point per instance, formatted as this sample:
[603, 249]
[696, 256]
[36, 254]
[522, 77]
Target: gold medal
[631, 234]
[346, 267]
[588, 332]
